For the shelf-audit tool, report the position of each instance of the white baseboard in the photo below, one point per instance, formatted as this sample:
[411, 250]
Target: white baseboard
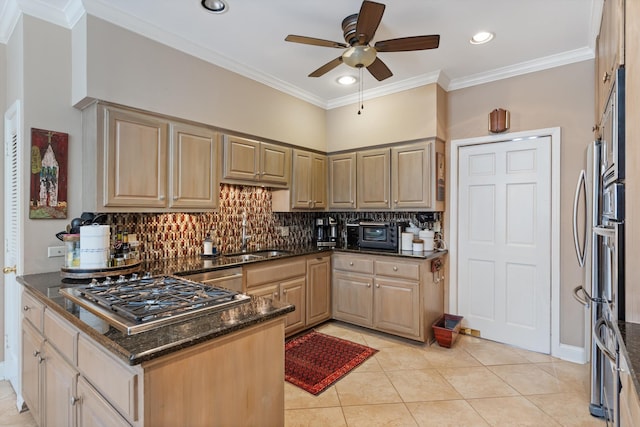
[571, 353]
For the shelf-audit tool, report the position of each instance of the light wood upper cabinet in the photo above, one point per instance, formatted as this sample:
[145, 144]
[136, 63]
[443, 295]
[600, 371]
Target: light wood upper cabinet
[342, 181]
[255, 162]
[194, 160]
[136, 159]
[417, 176]
[373, 169]
[309, 183]
[609, 50]
[140, 162]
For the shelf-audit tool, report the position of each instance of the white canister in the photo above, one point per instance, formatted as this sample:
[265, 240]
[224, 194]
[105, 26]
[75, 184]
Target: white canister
[418, 245]
[427, 236]
[407, 241]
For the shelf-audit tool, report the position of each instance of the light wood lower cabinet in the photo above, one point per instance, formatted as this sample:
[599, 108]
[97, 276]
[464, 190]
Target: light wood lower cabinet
[629, 397]
[303, 281]
[389, 294]
[70, 380]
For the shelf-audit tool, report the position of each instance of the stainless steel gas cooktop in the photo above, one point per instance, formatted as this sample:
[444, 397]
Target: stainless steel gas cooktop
[136, 305]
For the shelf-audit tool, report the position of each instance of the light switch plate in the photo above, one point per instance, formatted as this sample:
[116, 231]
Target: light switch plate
[54, 251]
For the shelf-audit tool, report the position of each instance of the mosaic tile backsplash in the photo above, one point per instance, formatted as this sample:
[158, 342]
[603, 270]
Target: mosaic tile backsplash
[173, 235]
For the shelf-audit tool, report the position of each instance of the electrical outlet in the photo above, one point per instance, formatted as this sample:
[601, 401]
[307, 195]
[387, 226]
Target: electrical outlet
[54, 251]
[283, 231]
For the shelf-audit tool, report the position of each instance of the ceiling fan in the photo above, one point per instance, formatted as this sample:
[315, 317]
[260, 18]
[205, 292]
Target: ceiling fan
[359, 30]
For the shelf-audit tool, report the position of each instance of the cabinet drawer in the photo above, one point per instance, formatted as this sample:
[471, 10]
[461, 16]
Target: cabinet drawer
[32, 310]
[274, 271]
[353, 264]
[117, 382]
[60, 335]
[396, 268]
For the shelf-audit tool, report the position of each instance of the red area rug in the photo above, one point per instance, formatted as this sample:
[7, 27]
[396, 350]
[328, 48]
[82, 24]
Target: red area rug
[314, 361]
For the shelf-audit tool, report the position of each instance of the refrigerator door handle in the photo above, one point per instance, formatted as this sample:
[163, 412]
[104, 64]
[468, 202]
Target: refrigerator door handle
[580, 252]
[598, 339]
[604, 231]
[586, 298]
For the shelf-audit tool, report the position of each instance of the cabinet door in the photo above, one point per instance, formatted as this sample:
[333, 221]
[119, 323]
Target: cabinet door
[342, 181]
[292, 292]
[32, 357]
[610, 50]
[373, 169]
[136, 160]
[272, 292]
[353, 298]
[396, 307]
[301, 194]
[94, 411]
[318, 289]
[59, 389]
[194, 172]
[411, 176]
[241, 158]
[319, 181]
[275, 164]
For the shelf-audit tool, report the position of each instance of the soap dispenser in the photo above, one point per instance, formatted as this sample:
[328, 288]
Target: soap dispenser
[208, 245]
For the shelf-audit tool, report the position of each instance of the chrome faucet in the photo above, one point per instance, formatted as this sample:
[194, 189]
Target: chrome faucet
[245, 236]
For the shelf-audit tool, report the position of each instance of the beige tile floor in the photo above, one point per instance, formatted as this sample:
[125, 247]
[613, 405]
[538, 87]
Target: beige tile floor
[475, 383]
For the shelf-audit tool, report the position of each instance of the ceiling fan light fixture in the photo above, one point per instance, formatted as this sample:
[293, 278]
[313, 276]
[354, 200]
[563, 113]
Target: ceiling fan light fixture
[482, 37]
[215, 6]
[346, 80]
[359, 56]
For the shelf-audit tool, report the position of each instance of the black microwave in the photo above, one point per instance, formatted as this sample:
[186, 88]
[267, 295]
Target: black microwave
[378, 235]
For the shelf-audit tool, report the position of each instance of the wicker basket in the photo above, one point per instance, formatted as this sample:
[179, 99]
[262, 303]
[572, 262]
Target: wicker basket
[446, 329]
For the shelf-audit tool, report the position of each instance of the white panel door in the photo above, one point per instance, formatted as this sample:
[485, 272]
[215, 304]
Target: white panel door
[504, 232]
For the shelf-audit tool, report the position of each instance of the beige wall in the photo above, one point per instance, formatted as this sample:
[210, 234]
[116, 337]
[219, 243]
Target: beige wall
[403, 116]
[125, 68]
[3, 103]
[562, 97]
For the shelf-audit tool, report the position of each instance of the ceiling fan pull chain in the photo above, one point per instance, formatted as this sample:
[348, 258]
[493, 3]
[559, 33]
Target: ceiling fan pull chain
[361, 95]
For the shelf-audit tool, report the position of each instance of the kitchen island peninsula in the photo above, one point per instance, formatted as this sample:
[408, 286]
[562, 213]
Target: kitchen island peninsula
[221, 368]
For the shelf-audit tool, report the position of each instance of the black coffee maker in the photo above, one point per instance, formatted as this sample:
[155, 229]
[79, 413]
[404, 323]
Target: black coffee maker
[326, 231]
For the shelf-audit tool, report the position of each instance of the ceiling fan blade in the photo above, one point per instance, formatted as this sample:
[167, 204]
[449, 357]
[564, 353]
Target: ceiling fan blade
[368, 20]
[408, 43]
[327, 67]
[379, 70]
[315, 42]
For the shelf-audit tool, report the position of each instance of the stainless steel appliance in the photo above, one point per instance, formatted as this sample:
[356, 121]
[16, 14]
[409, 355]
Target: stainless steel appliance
[136, 305]
[379, 235]
[603, 252]
[326, 231]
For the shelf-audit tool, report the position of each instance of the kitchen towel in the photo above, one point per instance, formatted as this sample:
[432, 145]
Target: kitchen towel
[94, 246]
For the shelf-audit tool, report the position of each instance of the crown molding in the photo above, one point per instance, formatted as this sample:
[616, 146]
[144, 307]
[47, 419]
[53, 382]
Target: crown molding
[9, 16]
[540, 64]
[65, 17]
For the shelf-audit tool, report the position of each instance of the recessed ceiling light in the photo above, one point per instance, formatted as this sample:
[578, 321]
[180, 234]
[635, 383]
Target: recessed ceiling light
[481, 37]
[346, 80]
[215, 6]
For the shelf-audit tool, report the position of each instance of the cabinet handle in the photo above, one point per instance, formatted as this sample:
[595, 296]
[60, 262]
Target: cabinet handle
[352, 202]
[377, 285]
[36, 353]
[395, 268]
[351, 263]
[275, 295]
[284, 291]
[74, 400]
[175, 197]
[40, 359]
[25, 308]
[368, 285]
[395, 201]
[310, 203]
[386, 201]
[605, 77]
[161, 197]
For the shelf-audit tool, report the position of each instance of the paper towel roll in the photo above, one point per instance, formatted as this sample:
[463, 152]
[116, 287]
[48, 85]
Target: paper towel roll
[94, 246]
[427, 236]
[407, 241]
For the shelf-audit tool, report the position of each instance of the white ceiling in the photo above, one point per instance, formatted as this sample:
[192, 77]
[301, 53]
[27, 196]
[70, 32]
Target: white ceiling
[249, 38]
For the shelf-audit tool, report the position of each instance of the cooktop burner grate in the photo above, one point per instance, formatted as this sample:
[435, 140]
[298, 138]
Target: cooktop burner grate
[154, 297]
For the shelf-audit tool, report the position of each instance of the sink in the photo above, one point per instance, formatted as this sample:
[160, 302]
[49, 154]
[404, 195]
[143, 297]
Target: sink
[254, 256]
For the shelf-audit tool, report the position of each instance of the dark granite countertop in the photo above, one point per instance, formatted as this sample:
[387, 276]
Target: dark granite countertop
[630, 347]
[138, 348]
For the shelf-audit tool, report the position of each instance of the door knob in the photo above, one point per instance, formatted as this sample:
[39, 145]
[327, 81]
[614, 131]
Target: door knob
[7, 270]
